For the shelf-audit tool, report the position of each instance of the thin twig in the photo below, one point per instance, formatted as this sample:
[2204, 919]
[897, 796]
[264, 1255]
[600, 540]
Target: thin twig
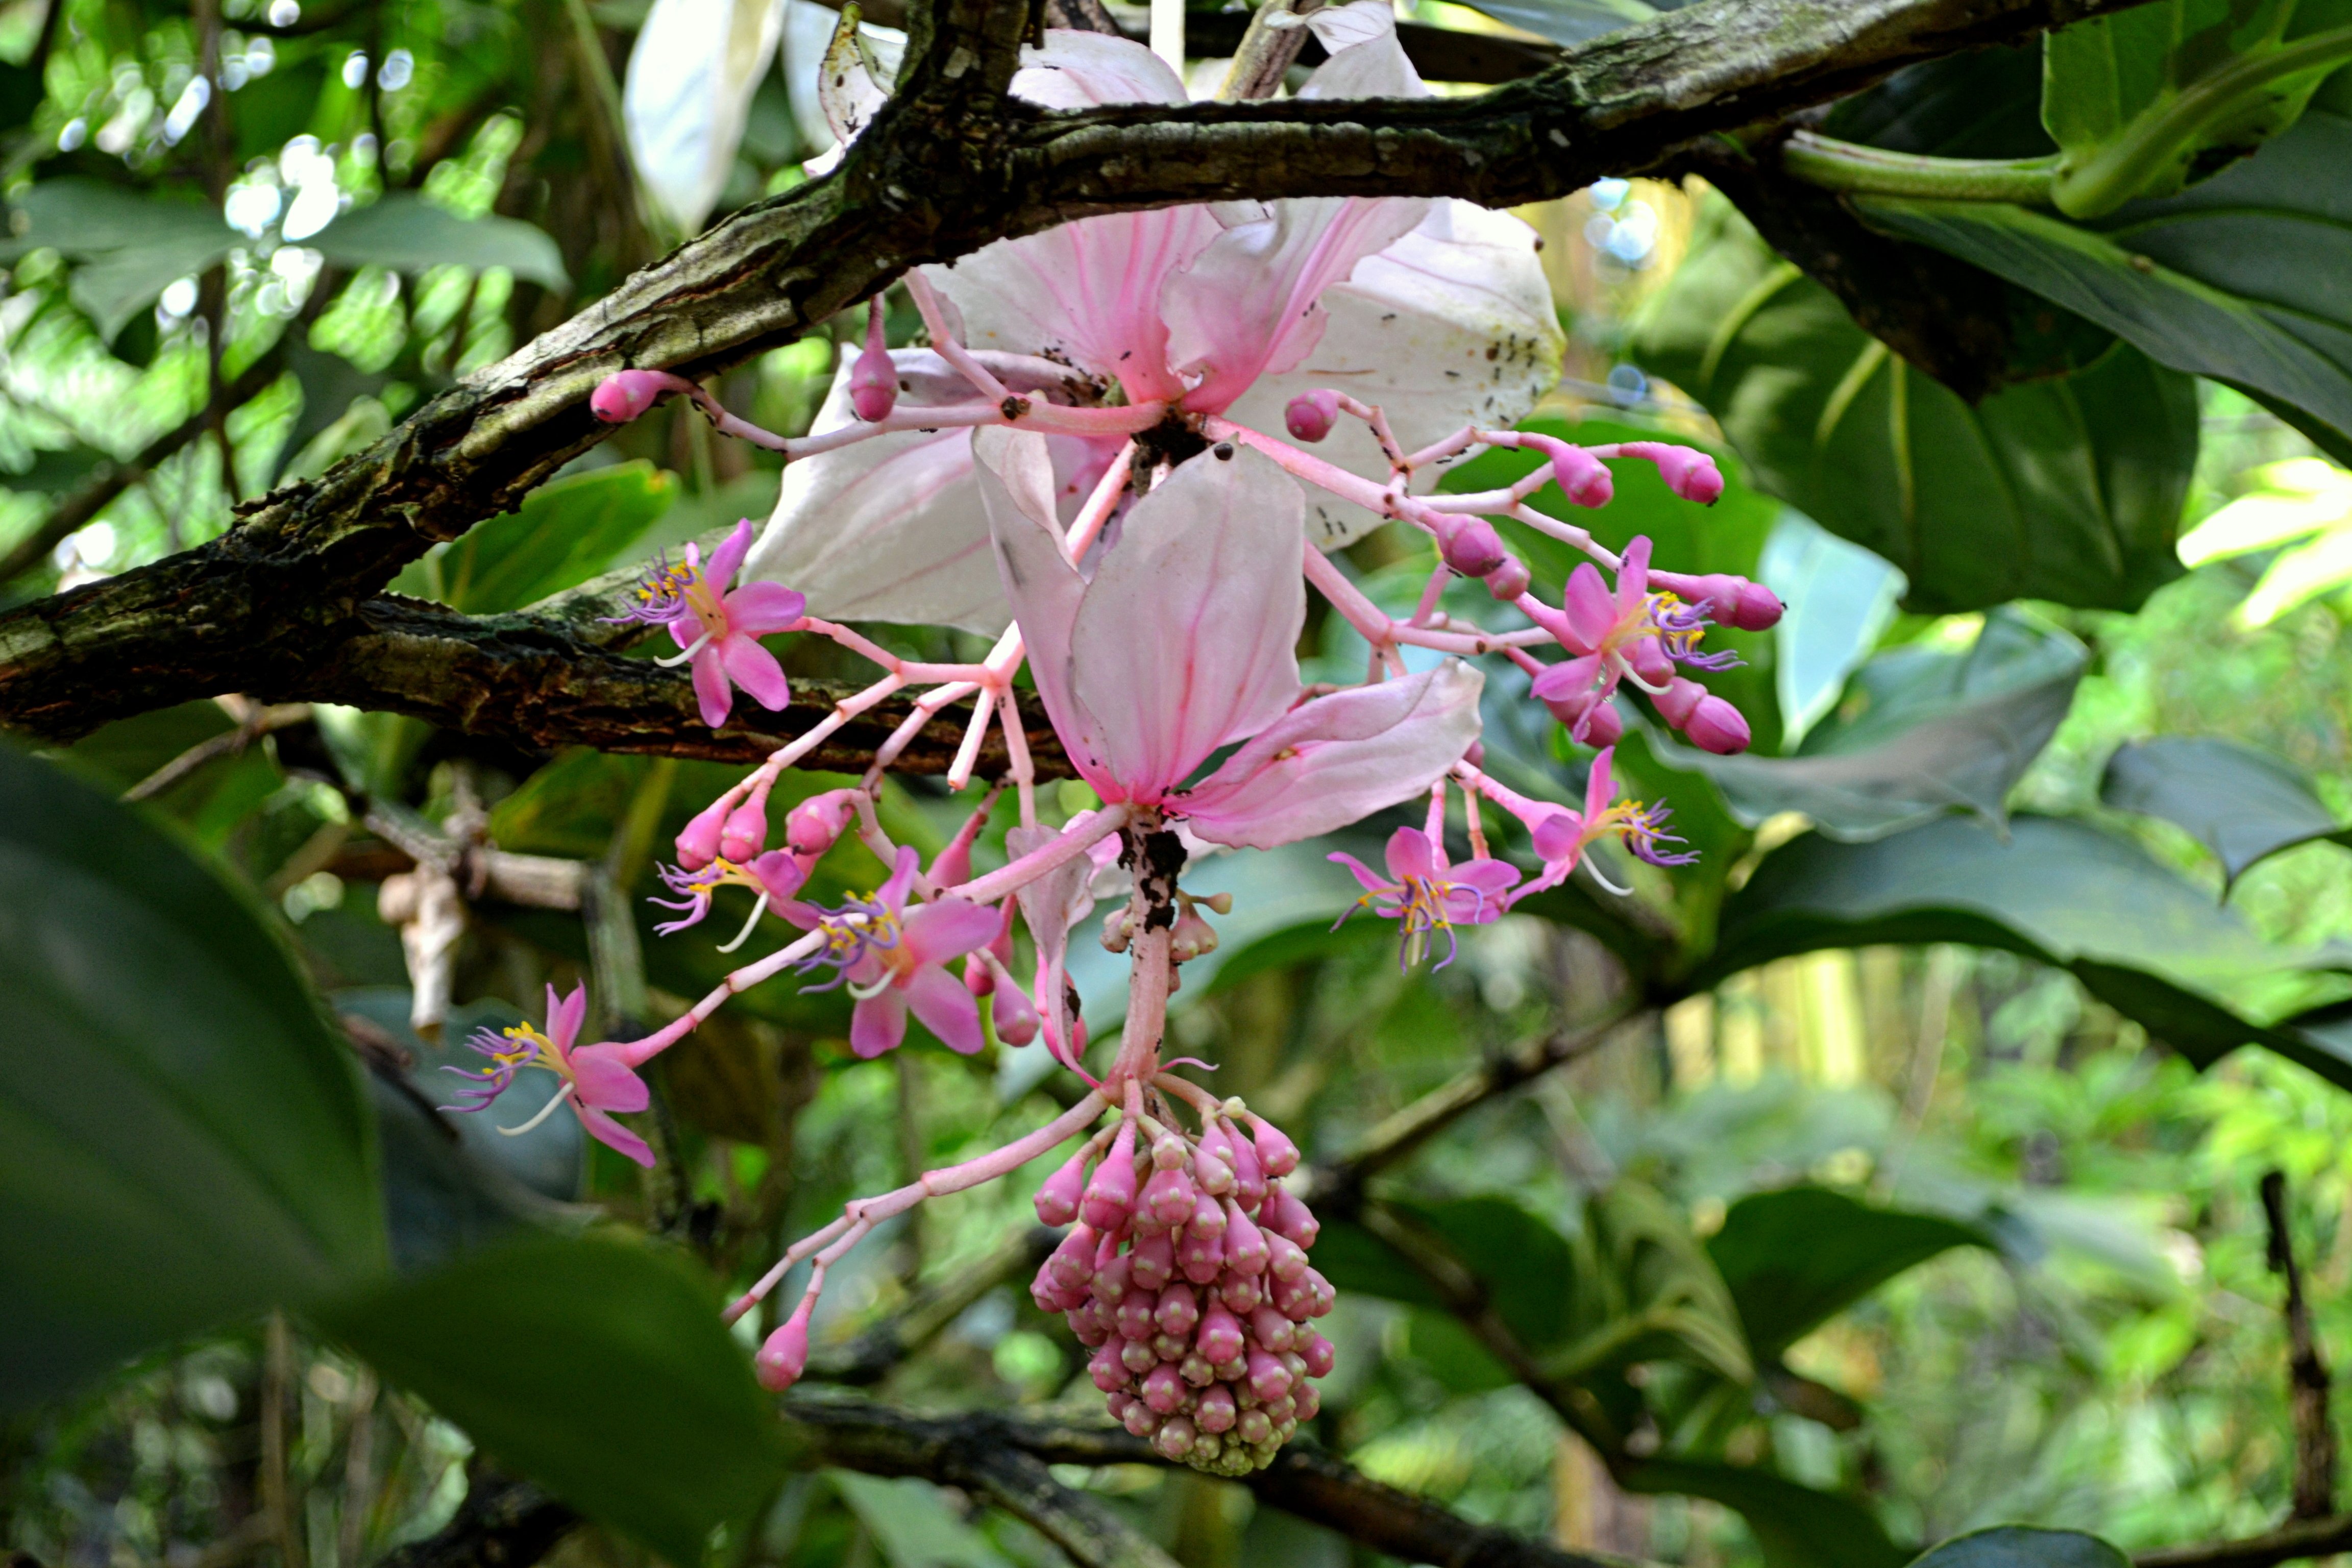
[2307, 1373]
[875, 1353]
[2289, 1542]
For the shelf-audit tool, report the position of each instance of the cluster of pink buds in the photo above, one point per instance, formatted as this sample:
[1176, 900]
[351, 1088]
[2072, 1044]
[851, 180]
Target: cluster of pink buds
[1190, 1285]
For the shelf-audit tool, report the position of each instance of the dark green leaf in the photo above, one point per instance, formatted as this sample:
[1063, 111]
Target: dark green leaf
[2015, 1546]
[594, 1366]
[2141, 938]
[1796, 1526]
[1840, 597]
[1353, 1258]
[2242, 803]
[2066, 490]
[2238, 278]
[1794, 1258]
[1525, 1264]
[131, 247]
[1923, 732]
[1984, 103]
[55, 471]
[187, 1141]
[408, 234]
[565, 533]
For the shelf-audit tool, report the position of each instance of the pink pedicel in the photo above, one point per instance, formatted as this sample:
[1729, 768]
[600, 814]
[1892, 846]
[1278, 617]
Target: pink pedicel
[1310, 415]
[873, 379]
[625, 394]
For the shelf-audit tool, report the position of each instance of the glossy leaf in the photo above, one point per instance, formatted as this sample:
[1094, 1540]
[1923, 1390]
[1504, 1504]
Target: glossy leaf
[1981, 103]
[2143, 940]
[564, 534]
[130, 248]
[2142, 101]
[408, 234]
[1923, 732]
[2242, 803]
[1840, 597]
[187, 1141]
[2067, 489]
[1796, 1526]
[594, 1366]
[912, 1524]
[2238, 278]
[1795, 1258]
[2016, 1546]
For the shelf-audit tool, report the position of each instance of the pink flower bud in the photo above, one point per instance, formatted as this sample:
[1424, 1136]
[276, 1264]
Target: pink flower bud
[1679, 701]
[1582, 477]
[1321, 1289]
[1756, 609]
[1717, 726]
[1202, 1254]
[1169, 1196]
[1153, 1262]
[784, 1357]
[698, 845]
[1110, 1196]
[977, 978]
[1507, 581]
[1057, 1200]
[1167, 1150]
[1136, 1356]
[1316, 1351]
[1179, 1311]
[1175, 1438]
[1475, 549]
[1221, 1336]
[1650, 660]
[745, 832]
[1105, 1368]
[1073, 1262]
[1113, 1278]
[623, 395]
[1731, 601]
[1601, 727]
[1215, 1410]
[1283, 1214]
[1046, 1291]
[1270, 1328]
[1014, 1015]
[1208, 1216]
[1310, 415]
[1308, 1402]
[1246, 1250]
[1284, 1261]
[1241, 1292]
[1277, 1154]
[873, 379]
[816, 824]
[1689, 473]
[1134, 1318]
[1249, 1177]
[1295, 1299]
[1138, 1420]
[1163, 1390]
[1268, 1378]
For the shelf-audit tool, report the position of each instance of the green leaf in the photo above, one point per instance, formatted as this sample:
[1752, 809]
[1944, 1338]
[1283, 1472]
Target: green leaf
[1922, 731]
[566, 533]
[2016, 1546]
[1571, 21]
[1840, 597]
[2067, 489]
[912, 1523]
[52, 472]
[2236, 279]
[594, 1366]
[131, 247]
[1795, 1258]
[2242, 805]
[408, 234]
[1980, 103]
[1648, 1291]
[1526, 1266]
[1796, 1526]
[187, 1140]
[2142, 939]
[2142, 101]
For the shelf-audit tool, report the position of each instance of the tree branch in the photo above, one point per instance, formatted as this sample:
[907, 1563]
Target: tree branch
[2306, 1374]
[1301, 1480]
[948, 166]
[502, 1523]
[2303, 1538]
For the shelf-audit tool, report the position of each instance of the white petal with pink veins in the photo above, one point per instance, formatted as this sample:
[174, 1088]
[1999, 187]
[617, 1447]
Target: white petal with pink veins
[888, 529]
[1085, 70]
[1011, 474]
[1186, 638]
[1451, 325]
[688, 93]
[1366, 61]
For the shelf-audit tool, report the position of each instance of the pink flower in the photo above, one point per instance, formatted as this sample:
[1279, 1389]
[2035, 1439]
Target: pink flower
[893, 959]
[1562, 837]
[1183, 642]
[1427, 894]
[596, 1079]
[719, 631]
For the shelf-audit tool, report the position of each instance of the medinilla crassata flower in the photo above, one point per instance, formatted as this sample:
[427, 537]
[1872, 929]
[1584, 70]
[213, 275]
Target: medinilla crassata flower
[1143, 542]
[596, 1080]
[718, 631]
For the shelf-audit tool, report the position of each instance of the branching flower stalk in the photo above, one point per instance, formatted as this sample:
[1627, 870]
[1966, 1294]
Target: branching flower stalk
[1151, 559]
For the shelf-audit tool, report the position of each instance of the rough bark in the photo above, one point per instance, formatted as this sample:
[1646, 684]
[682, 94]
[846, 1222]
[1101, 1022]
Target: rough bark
[949, 165]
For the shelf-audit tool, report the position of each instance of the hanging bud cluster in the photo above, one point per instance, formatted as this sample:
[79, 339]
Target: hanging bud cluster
[1188, 1278]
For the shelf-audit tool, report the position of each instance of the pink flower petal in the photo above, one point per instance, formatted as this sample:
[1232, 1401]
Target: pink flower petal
[611, 1134]
[711, 689]
[894, 891]
[946, 1008]
[605, 1082]
[1569, 678]
[727, 559]
[564, 1018]
[879, 1024]
[1633, 576]
[1372, 882]
[948, 928]
[1600, 789]
[1186, 638]
[763, 608]
[1591, 611]
[1411, 854]
[1339, 759]
[755, 669]
[781, 873]
[1489, 877]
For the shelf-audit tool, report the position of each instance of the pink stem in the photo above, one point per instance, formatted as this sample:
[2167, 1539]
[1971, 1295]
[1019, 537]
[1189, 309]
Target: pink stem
[637, 1052]
[1089, 523]
[944, 342]
[1147, 1009]
[1072, 842]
